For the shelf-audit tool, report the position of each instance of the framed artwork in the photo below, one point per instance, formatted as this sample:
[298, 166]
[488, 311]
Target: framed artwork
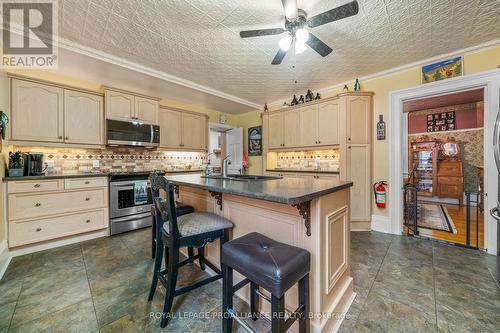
[255, 141]
[441, 70]
[440, 122]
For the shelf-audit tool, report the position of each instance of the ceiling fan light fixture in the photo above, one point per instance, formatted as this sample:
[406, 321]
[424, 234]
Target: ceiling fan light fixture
[285, 42]
[299, 47]
[302, 35]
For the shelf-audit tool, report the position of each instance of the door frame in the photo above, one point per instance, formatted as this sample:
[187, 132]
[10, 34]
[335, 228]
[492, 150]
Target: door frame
[490, 81]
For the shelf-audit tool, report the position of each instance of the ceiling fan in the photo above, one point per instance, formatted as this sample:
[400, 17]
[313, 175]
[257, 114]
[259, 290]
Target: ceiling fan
[296, 23]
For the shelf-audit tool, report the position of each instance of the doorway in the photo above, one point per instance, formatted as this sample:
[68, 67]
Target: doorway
[490, 83]
[444, 166]
[225, 142]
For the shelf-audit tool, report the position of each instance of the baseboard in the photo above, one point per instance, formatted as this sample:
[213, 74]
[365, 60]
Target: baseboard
[21, 250]
[361, 226]
[5, 257]
[381, 223]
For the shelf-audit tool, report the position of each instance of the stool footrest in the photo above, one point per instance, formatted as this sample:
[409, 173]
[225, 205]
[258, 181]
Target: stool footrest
[189, 260]
[293, 316]
[240, 321]
[264, 296]
[240, 285]
[197, 284]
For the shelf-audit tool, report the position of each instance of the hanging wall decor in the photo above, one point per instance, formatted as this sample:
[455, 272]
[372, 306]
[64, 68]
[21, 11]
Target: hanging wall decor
[440, 122]
[255, 141]
[441, 70]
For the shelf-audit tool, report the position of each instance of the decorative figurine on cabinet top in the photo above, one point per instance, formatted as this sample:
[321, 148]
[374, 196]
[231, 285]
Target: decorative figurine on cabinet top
[357, 86]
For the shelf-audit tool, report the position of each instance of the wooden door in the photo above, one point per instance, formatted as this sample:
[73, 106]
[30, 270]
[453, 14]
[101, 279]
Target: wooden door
[291, 128]
[234, 148]
[170, 122]
[194, 133]
[146, 110]
[309, 126]
[359, 119]
[328, 122]
[119, 106]
[276, 130]
[359, 172]
[83, 118]
[37, 112]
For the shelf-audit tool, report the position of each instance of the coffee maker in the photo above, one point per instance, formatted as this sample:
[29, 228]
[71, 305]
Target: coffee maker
[33, 164]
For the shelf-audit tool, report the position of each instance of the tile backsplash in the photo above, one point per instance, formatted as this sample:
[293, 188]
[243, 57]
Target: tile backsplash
[327, 159]
[71, 160]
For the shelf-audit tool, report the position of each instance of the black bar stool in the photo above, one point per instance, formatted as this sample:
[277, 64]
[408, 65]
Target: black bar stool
[273, 266]
[192, 230]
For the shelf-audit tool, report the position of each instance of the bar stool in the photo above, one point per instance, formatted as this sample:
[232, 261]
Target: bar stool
[192, 230]
[273, 266]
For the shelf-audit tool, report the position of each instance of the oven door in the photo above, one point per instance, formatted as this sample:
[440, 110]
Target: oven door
[123, 200]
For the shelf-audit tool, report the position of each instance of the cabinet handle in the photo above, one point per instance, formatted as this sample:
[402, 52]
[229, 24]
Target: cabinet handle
[349, 139]
[36, 185]
[59, 137]
[349, 147]
[38, 229]
[87, 182]
[87, 199]
[38, 204]
[319, 141]
[88, 221]
[66, 138]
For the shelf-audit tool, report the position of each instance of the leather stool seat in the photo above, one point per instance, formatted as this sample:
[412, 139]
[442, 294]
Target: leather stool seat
[272, 265]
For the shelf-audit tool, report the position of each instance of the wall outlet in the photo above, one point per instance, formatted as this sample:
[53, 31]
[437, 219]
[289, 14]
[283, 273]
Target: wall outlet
[95, 164]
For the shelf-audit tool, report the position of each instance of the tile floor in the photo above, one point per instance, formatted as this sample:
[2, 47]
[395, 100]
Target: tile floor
[102, 285]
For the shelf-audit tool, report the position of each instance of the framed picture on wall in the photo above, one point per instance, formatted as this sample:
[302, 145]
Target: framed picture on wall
[255, 141]
[442, 70]
[440, 122]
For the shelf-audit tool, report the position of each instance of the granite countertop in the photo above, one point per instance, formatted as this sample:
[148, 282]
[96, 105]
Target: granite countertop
[84, 175]
[303, 171]
[287, 191]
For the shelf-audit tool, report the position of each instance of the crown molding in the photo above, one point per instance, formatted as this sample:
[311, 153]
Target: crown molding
[466, 51]
[106, 57]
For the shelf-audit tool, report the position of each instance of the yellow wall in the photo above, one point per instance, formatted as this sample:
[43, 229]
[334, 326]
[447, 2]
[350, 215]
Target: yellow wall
[246, 120]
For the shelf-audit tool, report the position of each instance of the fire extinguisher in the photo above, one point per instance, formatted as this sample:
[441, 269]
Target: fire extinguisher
[380, 193]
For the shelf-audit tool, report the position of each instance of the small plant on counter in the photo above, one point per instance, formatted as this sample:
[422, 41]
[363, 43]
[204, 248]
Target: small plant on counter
[16, 164]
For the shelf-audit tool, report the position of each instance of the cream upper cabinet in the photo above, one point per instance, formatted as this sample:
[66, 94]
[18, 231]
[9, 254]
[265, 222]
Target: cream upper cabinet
[309, 126]
[83, 118]
[146, 110]
[291, 128]
[359, 119]
[119, 105]
[170, 122]
[194, 131]
[328, 122]
[37, 112]
[359, 172]
[276, 130]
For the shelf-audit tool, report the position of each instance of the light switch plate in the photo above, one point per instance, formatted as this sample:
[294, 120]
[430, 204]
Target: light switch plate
[95, 164]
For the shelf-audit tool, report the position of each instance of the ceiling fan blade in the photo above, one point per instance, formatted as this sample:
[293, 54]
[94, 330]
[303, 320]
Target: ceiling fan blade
[349, 9]
[278, 58]
[291, 9]
[261, 32]
[317, 45]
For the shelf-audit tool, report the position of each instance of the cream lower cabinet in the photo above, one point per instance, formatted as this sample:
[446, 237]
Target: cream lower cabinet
[83, 118]
[358, 170]
[183, 130]
[54, 208]
[36, 112]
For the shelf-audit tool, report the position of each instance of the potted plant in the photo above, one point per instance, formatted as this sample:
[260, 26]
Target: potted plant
[16, 164]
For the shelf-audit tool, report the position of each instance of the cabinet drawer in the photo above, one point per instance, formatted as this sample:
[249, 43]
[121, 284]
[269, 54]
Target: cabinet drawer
[76, 183]
[20, 186]
[22, 233]
[450, 180]
[23, 206]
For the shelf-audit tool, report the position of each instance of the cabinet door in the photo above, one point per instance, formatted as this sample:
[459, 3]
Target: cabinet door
[146, 110]
[309, 126]
[359, 172]
[119, 106]
[170, 122]
[291, 128]
[359, 119]
[37, 112]
[194, 131]
[276, 130]
[328, 123]
[83, 118]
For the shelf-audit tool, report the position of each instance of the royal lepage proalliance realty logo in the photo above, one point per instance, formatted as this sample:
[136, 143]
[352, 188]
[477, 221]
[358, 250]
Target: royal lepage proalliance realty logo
[29, 34]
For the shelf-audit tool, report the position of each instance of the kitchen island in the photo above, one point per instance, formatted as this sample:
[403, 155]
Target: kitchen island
[308, 213]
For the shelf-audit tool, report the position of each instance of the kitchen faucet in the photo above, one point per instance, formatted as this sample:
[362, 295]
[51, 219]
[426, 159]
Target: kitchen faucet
[225, 163]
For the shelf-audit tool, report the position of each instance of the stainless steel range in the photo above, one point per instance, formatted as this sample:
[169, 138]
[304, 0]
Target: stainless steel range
[130, 201]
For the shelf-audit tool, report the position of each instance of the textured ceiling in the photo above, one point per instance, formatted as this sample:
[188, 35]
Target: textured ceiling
[197, 40]
[464, 97]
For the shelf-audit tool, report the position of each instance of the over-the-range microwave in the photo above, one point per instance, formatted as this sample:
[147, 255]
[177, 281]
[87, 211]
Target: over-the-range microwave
[132, 133]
